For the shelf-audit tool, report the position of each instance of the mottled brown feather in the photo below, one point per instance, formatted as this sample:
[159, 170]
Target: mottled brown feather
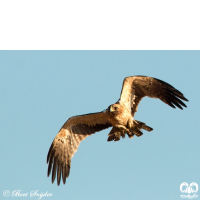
[68, 139]
[136, 87]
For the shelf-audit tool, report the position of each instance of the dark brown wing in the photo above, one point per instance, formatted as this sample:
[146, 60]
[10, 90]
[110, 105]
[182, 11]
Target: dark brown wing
[136, 87]
[67, 141]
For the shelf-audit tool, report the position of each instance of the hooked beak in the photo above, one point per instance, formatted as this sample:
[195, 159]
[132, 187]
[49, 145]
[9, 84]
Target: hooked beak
[111, 109]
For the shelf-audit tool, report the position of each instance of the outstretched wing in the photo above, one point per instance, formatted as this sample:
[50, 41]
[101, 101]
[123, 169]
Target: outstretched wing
[136, 87]
[67, 141]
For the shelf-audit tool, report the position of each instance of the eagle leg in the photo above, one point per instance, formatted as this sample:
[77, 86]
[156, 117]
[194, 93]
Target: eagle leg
[121, 128]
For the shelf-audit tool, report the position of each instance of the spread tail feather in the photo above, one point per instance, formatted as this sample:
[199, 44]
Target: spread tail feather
[116, 133]
[136, 129]
[142, 125]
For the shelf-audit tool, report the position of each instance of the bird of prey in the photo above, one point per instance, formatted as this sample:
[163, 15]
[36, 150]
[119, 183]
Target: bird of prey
[119, 116]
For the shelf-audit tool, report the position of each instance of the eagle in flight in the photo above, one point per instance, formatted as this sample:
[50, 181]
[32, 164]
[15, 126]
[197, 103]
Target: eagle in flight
[119, 116]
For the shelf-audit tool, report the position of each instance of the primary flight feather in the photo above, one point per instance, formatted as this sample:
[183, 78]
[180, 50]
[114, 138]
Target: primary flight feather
[119, 116]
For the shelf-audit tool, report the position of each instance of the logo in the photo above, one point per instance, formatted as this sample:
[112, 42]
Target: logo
[189, 189]
[6, 193]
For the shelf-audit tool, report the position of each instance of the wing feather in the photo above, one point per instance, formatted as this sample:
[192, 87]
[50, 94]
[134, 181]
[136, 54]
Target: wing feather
[136, 87]
[68, 139]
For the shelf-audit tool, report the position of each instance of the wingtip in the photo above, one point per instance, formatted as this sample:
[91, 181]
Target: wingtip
[64, 180]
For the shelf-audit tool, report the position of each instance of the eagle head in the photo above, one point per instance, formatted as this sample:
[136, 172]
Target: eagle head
[115, 108]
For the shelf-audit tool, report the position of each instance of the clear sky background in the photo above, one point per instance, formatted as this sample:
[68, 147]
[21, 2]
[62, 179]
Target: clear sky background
[40, 90]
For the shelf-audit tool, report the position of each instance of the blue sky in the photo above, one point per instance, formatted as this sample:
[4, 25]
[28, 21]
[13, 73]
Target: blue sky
[40, 90]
